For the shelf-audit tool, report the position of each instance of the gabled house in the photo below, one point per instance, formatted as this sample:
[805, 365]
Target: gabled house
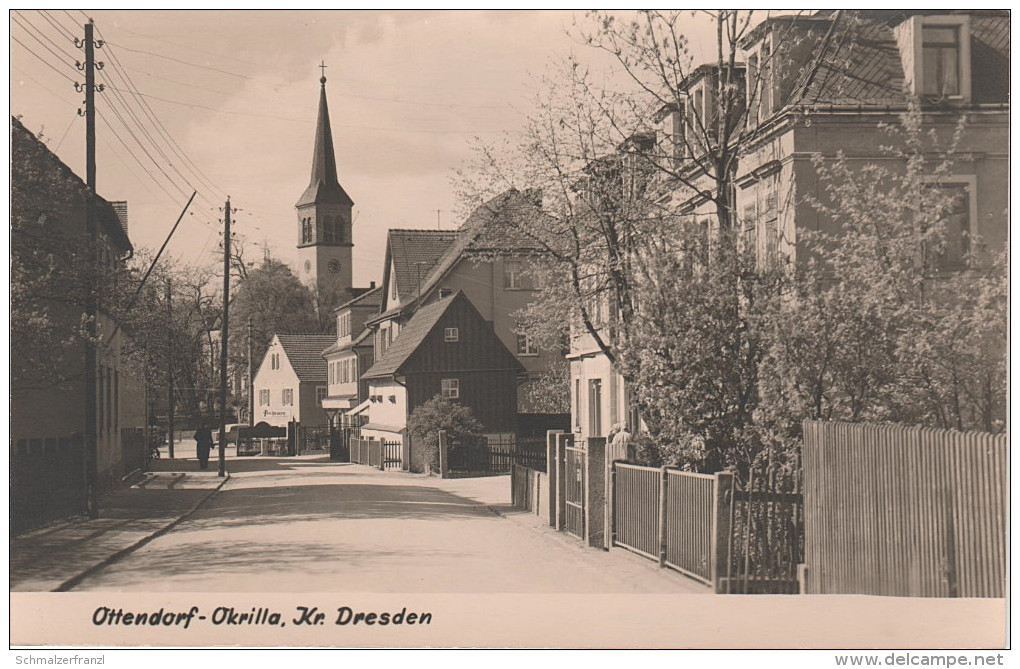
[447, 348]
[290, 384]
[352, 352]
[953, 62]
[489, 264]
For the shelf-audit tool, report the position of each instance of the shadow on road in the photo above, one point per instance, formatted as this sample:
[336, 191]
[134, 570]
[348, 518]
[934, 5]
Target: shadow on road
[240, 465]
[293, 504]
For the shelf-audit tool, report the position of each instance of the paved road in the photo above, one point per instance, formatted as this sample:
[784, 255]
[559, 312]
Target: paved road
[301, 525]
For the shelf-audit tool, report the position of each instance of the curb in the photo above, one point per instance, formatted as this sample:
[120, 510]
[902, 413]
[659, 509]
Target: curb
[105, 562]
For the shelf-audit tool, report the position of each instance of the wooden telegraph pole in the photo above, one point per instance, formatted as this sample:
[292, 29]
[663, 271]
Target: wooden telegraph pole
[92, 298]
[223, 339]
[251, 381]
[170, 399]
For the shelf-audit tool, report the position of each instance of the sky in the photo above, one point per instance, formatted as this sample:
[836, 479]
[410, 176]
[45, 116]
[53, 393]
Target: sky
[231, 105]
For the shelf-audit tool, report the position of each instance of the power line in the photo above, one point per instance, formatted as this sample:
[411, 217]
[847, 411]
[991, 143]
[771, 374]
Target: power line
[44, 61]
[56, 24]
[185, 62]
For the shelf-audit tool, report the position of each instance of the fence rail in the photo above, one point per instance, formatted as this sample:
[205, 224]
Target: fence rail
[497, 453]
[688, 519]
[636, 509]
[910, 511]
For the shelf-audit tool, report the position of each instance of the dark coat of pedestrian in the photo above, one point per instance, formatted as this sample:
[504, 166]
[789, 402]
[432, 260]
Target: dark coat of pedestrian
[203, 444]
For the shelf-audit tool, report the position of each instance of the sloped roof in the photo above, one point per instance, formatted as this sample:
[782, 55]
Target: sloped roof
[304, 352]
[363, 297]
[405, 249]
[357, 341]
[410, 338]
[486, 231]
[109, 221]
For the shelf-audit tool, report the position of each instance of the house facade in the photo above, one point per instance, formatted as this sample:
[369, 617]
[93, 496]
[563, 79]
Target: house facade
[352, 353]
[49, 243]
[953, 63]
[492, 267]
[290, 384]
[447, 348]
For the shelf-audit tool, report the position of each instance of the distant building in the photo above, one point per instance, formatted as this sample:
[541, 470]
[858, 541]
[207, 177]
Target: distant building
[352, 353]
[490, 265]
[290, 384]
[449, 349]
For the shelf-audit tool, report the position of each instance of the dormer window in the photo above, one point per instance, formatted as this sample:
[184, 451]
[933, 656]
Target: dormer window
[935, 52]
[940, 61]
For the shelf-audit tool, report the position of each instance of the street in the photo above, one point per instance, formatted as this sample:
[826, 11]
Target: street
[307, 525]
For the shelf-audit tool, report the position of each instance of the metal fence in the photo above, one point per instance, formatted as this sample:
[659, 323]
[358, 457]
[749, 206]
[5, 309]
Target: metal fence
[496, 453]
[909, 511]
[636, 508]
[310, 439]
[575, 470]
[688, 519]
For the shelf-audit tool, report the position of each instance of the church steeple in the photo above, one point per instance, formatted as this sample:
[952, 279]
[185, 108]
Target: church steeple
[324, 188]
[324, 212]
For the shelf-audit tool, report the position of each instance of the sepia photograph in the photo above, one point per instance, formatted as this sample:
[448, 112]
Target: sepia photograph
[516, 329]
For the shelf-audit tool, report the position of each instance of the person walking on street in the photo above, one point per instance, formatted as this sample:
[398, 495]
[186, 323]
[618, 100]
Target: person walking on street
[204, 442]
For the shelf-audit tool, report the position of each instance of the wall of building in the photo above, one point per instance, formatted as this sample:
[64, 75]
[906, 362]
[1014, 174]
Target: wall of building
[275, 380]
[309, 410]
[392, 409]
[491, 395]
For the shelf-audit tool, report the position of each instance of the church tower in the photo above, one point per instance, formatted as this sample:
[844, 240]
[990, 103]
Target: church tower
[324, 220]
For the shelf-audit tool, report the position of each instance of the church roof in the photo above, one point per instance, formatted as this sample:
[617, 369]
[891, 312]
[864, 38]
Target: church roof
[324, 188]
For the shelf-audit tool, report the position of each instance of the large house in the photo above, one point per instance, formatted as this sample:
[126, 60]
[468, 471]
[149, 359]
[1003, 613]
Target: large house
[351, 354]
[290, 384]
[447, 348]
[483, 259]
[953, 62]
[48, 399]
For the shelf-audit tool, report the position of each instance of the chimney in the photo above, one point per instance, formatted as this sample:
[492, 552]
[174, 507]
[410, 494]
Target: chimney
[371, 285]
[120, 208]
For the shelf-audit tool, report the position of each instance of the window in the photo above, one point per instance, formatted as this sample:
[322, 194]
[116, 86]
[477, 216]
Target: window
[287, 397]
[306, 231]
[770, 214]
[392, 399]
[673, 129]
[577, 405]
[451, 388]
[320, 394]
[451, 334]
[956, 244]
[940, 60]
[512, 275]
[264, 398]
[595, 408]
[393, 288]
[274, 361]
[525, 346]
[445, 292]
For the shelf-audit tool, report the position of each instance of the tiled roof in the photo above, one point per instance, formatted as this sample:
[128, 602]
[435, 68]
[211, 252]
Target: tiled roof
[363, 297]
[415, 251]
[486, 231]
[410, 338]
[863, 66]
[346, 346]
[304, 352]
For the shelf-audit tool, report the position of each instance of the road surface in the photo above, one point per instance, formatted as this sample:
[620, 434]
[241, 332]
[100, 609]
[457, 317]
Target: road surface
[308, 525]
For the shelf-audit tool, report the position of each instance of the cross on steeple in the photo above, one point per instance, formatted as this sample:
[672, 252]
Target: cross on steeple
[322, 67]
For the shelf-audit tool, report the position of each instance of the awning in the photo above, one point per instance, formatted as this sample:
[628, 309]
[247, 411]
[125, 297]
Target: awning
[360, 408]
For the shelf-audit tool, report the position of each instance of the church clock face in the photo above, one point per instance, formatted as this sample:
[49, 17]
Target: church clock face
[308, 266]
[334, 266]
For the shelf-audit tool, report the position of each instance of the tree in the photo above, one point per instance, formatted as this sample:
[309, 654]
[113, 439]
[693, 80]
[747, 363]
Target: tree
[439, 413]
[898, 316]
[276, 301]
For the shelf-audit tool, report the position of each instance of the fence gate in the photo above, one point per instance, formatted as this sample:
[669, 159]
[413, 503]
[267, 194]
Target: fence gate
[391, 455]
[575, 463]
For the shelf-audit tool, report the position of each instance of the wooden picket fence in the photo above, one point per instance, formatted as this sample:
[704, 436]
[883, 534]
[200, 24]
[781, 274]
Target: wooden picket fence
[909, 511]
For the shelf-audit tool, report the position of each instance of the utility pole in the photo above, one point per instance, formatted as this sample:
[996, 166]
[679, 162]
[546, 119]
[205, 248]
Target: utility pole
[92, 298]
[170, 367]
[251, 381]
[223, 339]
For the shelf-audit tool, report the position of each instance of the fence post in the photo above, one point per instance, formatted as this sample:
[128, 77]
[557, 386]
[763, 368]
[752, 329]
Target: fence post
[595, 491]
[562, 440]
[444, 461]
[722, 489]
[663, 490]
[611, 502]
[405, 452]
[551, 467]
